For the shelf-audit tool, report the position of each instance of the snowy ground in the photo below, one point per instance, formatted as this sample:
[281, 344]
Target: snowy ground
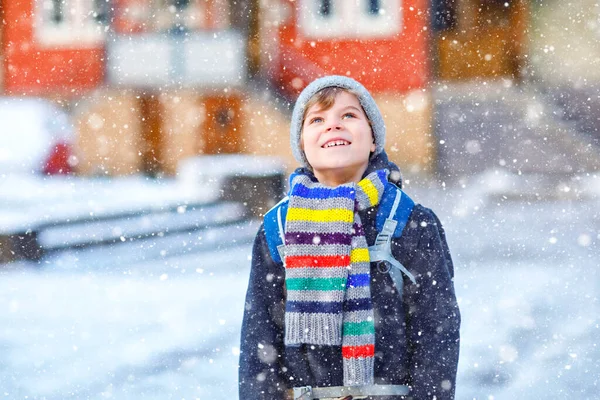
[26, 201]
[528, 287]
[79, 327]
[165, 329]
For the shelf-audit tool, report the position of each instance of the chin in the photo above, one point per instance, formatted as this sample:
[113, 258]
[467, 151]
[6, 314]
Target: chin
[340, 166]
[334, 165]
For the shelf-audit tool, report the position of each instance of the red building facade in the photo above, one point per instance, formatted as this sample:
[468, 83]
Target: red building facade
[54, 47]
[382, 43]
[142, 59]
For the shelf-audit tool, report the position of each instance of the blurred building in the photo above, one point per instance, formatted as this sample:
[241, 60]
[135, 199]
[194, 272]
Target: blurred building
[150, 82]
[565, 59]
[480, 38]
[52, 47]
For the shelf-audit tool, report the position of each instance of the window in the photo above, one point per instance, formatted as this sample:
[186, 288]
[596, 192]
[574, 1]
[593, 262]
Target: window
[444, 14]
[350, 18]
[325, 8]
[57, 11]
[180, 16]
[101, 10]
[180, 4]
[71, 23]
[374, 7]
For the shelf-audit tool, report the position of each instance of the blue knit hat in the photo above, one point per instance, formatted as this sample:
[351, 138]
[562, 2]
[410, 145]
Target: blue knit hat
[364, 97]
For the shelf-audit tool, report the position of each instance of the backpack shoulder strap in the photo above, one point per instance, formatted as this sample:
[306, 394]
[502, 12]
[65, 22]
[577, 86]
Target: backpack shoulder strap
[393, 214]
[395, 206]
[274, 224]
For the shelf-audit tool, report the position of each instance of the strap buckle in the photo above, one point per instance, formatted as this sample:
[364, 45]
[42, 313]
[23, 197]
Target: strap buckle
[383, 266]
[303, 393]
[358, 392]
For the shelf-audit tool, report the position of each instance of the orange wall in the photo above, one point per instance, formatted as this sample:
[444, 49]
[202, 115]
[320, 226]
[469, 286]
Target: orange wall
[31, 69]
[395, 64]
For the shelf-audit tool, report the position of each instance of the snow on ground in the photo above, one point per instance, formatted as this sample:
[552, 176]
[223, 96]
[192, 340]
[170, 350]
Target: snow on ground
[528, 287]
[158, 330]
[168, 328]
[28, 200]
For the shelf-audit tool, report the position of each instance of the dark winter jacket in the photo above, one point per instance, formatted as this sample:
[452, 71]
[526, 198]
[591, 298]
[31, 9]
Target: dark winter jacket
[416, 337]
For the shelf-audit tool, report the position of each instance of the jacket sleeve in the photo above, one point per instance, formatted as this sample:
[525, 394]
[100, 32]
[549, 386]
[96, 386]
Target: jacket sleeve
[433, 317]
[261, 348]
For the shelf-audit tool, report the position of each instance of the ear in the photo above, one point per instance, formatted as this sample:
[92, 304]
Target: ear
[373, 146]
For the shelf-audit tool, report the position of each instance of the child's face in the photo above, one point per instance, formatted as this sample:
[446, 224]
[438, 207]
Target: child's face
[338, 141]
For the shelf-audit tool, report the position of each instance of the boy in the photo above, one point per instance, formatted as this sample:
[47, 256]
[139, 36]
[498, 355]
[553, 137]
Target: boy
[326, 316]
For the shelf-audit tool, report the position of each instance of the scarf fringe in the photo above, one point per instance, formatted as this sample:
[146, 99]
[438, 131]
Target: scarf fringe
[359, 371]
[319, 329]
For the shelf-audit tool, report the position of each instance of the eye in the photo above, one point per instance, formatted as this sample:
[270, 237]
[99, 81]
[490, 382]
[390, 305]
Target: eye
[315, 119]
[349, 115]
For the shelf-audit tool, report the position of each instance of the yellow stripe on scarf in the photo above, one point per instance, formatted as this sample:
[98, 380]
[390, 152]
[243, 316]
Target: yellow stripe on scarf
[370, 190]
[330, 215]
[359, 255]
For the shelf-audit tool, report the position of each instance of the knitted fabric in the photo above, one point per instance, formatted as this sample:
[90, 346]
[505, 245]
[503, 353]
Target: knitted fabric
[328, 270]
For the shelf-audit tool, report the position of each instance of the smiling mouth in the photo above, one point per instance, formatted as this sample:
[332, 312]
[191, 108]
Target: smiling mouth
[335, 143]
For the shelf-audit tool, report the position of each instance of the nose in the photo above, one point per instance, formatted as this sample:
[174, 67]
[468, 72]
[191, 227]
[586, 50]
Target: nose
[334, 125]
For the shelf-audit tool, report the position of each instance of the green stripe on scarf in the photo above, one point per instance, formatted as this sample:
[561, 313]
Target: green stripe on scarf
[313, 316]
[359, 328]
[316, 284]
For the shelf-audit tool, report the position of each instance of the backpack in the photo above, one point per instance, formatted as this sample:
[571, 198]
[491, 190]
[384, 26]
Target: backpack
[394, 211]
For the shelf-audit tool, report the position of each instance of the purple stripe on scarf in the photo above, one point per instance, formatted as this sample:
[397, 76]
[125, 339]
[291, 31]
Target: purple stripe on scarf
[313, 307]
[357, 305]
[320, 238]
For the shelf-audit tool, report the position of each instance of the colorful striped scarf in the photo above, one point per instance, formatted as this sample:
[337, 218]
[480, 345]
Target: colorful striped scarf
[328, 270]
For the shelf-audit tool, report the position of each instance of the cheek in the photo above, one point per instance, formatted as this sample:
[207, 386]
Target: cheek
[307, 139]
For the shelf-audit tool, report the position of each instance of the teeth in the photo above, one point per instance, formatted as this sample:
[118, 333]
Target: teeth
[336, 143]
